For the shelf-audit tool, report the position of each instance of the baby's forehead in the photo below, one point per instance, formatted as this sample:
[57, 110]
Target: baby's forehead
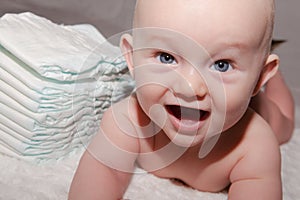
[250, 19]
[261, 8]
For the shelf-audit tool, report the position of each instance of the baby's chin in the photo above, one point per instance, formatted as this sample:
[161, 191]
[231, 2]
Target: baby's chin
[187, 141]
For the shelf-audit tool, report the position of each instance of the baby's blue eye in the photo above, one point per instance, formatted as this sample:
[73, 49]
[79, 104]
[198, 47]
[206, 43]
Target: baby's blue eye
[221, 66]
[166, 58]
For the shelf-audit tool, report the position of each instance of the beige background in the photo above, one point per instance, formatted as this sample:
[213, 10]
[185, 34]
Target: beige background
[287, 27]
[114, 16]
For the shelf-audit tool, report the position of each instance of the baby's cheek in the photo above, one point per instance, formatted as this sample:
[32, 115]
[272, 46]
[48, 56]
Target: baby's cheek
[235, 109]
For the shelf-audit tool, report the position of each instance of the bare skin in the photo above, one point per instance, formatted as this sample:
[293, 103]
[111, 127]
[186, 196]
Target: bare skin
[157, 127]
[276, 105]
[227, 164]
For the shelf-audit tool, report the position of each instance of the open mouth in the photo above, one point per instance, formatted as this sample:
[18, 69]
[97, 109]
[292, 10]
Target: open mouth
[184, 113]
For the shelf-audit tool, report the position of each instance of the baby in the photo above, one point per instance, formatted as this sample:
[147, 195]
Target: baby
[197, 64]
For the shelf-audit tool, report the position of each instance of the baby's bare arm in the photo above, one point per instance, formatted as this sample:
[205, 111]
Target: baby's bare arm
[106, 167]
[252, 182]
[257, 174]
[94, 181]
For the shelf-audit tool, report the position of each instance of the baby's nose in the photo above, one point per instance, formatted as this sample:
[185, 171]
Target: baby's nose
[191, 83]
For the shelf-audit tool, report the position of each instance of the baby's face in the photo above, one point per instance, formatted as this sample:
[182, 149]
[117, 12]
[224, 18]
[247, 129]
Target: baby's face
[197, 62]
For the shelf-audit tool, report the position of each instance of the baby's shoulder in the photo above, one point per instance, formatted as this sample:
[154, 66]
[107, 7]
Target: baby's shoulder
[256, 134]
[126, 115]
[130, 109]
[251, 135]
[125, 108]
[118, 125]
[258, 152]
[256, 127]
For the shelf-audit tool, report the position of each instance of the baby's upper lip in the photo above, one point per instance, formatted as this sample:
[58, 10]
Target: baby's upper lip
[190, 105]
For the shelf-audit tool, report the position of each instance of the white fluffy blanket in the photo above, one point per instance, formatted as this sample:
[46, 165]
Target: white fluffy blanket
[22, 180]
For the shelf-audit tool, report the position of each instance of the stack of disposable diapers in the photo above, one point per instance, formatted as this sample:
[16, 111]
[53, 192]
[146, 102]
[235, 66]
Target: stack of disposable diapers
[55, 83]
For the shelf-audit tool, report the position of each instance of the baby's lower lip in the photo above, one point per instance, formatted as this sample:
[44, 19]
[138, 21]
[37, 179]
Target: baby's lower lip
[186, 120]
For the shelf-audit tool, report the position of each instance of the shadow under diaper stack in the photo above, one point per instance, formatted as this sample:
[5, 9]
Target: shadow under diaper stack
[55, 83]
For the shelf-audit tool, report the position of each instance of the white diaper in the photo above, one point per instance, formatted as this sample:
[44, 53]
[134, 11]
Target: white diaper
[55, 83]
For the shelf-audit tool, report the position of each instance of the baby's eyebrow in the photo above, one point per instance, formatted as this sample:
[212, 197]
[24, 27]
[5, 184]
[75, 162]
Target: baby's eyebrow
[155, 39]
[221, 47]
[236, 45]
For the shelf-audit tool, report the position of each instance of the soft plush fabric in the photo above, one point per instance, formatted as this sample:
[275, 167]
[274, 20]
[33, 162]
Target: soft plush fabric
[51, 181]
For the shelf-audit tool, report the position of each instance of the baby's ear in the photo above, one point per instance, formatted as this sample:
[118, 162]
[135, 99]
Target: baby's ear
[269, 70]
[127, 50]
